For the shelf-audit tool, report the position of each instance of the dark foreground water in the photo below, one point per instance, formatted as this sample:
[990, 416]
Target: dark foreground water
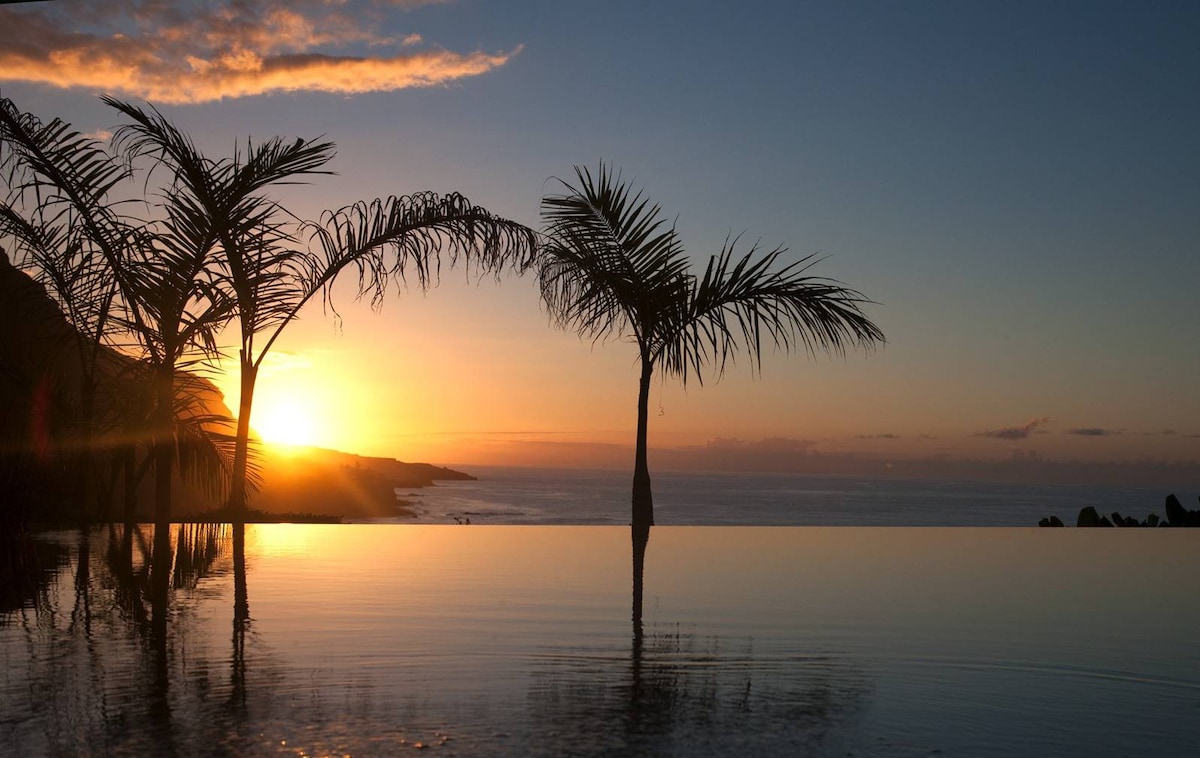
[509, 640]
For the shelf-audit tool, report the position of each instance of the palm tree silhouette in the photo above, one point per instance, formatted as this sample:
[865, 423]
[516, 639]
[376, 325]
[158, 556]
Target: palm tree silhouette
[115, 277]
[613, 267]
[259, 264]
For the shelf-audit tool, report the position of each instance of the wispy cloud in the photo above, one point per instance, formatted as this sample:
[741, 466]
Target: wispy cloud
[1015, 432]
[1094, 431]
[885, 436]
[198, 52]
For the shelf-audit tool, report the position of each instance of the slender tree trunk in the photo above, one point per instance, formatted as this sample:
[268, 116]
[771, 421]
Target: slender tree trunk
[164, 442]
[643, 501]
[84, 483]
[237, 487]
[129, 463]
[165, 457]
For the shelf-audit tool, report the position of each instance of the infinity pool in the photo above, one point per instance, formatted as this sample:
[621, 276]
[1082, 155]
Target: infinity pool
[506, 640]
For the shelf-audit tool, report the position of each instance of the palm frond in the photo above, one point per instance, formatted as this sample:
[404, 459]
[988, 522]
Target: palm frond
[61, 181]
[389, 240]
[743, 303]
[611, 265]
[206, 441]
[610, 261]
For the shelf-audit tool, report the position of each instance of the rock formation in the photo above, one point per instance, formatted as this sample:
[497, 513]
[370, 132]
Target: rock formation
[1177, 515]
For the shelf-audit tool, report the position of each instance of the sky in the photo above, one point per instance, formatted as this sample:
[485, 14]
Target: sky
[1015, 186]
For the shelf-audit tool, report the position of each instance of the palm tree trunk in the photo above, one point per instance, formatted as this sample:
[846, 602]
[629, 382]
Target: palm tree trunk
[83, 461]
[237, 487]
[643, 501]
[164, 446]
[129, 464]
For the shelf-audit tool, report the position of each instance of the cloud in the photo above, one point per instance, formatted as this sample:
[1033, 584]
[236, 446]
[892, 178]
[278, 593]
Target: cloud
[771, 445]
[1015, 432]
[1094, 431]
[195, 52]
[886, 436]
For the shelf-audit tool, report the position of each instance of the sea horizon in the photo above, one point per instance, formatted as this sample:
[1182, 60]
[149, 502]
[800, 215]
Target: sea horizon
[580, 496]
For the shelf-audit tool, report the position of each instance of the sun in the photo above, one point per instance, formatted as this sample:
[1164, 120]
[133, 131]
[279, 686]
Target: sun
[284, 420]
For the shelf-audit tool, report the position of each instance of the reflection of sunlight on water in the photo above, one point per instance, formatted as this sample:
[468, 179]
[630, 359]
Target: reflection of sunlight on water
[279, 539]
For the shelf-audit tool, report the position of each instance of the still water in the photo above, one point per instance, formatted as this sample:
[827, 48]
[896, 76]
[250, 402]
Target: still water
[512, 640]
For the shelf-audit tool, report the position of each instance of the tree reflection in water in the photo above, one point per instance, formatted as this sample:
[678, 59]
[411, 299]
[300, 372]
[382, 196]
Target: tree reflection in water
[132, 654]
[241, 622]
[683, 693]
[119, 673]
[27, 566]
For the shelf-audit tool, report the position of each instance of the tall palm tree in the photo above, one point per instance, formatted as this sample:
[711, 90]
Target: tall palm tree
[56, 218]
[613, 267]
[261, 264]
[115, 276]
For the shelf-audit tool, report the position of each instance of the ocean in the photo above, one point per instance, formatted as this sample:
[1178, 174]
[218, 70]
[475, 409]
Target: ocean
[510, 495]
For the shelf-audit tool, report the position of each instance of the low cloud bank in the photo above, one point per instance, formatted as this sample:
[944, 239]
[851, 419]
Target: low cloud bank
[1016, 432]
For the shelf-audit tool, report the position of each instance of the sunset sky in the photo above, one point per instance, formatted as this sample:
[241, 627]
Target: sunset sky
[1016, 185]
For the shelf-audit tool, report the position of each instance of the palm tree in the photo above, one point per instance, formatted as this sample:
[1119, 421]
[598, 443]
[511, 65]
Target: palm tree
[114, 276]
[57, 218]
[613, 267]
[260, 265]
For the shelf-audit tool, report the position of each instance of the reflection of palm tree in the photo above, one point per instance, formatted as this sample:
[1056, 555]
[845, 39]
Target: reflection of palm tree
[612, 267]
[258, 266]
[241, 618]
[681, 693]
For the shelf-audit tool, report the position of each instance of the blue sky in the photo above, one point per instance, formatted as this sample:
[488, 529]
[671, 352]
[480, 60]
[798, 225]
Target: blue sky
[1016, 184]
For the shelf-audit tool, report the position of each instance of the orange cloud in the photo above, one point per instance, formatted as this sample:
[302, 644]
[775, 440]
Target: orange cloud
[194, 53]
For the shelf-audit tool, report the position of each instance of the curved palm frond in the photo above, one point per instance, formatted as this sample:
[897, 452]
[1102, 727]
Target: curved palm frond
[741, 303]
[70, 229]
[609, 265]
[416, 229]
